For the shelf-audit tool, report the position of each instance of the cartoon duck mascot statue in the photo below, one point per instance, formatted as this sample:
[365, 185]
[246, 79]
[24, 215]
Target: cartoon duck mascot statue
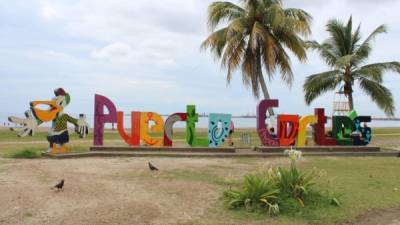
[58, 135]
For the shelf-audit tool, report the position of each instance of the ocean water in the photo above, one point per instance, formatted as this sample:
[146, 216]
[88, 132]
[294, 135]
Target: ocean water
[202, 123]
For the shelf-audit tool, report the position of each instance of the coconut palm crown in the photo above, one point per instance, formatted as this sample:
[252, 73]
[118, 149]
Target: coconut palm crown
[254, 35]
[346, 54]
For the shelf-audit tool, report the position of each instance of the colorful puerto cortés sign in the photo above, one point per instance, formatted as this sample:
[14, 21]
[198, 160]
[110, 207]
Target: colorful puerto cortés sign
[291, 128]
[346, 130]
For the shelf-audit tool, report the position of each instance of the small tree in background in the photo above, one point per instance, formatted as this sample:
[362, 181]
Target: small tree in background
[344, 52]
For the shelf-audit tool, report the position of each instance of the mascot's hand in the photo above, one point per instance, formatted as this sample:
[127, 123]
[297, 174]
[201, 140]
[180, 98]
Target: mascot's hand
[29, 124]
[83, 126]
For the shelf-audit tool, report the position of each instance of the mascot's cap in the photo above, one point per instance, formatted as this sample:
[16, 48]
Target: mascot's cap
[61, 91]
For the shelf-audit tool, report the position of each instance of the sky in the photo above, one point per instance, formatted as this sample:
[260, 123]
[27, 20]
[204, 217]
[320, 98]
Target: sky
[145, 55]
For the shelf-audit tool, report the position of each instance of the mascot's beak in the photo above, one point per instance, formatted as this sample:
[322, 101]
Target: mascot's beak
[46, 115]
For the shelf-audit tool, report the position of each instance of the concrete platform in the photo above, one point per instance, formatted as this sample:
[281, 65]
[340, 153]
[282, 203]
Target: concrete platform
[161, 149]
[241, 153]
[320, 149]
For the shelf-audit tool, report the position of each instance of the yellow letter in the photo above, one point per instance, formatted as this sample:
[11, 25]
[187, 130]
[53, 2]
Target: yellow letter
[303, 122]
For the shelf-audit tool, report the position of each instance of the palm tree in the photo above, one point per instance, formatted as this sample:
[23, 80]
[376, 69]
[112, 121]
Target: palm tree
[257, 35]
[344, 52]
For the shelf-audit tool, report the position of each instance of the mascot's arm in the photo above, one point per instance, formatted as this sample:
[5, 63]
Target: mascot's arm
[29, 124]
[81, 126]
[71, 119]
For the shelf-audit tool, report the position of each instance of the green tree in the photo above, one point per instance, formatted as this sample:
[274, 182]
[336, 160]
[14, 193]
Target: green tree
[344, 52]
[257, 34]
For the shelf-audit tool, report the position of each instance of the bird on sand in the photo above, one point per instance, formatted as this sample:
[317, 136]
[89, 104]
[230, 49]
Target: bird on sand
[59, 186]
[152, 167]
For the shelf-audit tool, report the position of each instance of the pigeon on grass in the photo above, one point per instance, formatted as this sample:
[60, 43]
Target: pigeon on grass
[152, 167]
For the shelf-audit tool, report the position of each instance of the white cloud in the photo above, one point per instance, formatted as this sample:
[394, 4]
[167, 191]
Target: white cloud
[112, 51]
[141, 55]
[57, 54]
[48, 12]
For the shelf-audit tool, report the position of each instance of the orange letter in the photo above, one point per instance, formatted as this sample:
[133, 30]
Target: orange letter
[145, 117]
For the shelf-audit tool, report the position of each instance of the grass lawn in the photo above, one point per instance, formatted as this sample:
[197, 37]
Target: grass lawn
[363, 184]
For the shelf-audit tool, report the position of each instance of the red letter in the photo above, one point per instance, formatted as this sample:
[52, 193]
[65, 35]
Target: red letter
[134, 139]
[319, 129]
[287, 137]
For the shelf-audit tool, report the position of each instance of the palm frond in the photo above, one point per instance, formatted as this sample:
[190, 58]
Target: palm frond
[372, 73]
[283, 61]
[237, 25]
[337, 39]
[223, 11]
[216, 42]
[324, 51]
[257, 36]
[275, 16]
[346, 61]
[385, 66]
[379, 94]
[375, 71]
[299, 20]
[233, 53]
[249, 71]
[269, 55]
[379, 30]
[293, 42]
[348, 36]
[317, 84]
[364, 49]
[356, 37]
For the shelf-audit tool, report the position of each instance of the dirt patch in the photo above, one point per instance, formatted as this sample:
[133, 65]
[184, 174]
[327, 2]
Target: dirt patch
[112, 191]
[378, 217]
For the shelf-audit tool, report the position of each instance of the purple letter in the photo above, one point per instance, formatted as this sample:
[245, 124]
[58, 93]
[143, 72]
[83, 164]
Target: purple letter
[262, 128]
[100, 118]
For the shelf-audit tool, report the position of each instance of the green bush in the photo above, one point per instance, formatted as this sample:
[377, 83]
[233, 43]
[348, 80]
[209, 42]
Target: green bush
[280, 189]
[295, 183]
[257, 193]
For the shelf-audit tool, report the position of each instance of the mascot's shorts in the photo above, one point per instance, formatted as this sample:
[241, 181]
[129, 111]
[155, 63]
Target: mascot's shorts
[59, 139]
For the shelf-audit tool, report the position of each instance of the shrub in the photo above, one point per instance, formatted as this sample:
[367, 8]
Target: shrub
[295, 183]
[257, 193]
[285, 187]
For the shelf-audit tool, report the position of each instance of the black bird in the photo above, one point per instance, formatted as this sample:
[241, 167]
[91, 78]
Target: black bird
[60, 185]
[152, 167]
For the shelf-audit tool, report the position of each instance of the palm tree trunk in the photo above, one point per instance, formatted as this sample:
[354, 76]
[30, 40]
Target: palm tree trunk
[351, 101]
[264, 88]
[348, 89]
